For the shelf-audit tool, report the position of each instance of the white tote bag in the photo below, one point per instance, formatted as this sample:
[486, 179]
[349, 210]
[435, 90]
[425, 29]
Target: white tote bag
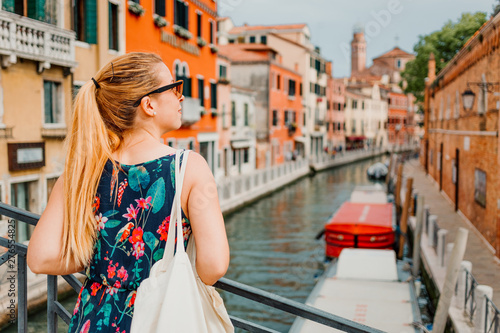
[173, 298]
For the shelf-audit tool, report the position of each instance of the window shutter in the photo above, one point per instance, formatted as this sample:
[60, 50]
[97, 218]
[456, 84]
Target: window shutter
[8, 5]
[213, 92]
[160, 7]
[47, 101]
[186, 16]
[36, 9]
[91, 21]
[201, 91]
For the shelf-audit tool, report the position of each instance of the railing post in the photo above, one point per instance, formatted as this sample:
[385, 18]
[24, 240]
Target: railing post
[482, 292]
[51, 299]
[441, 246]
[465, 266]
[430, 230]
[427, 214]
[22, 297]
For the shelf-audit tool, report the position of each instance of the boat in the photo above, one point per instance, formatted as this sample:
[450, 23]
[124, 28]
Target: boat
[360, 225]
[377, 171]
[367, 286]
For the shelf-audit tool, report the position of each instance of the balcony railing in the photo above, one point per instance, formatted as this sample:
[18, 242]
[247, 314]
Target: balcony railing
[55, 310]
[26, 38]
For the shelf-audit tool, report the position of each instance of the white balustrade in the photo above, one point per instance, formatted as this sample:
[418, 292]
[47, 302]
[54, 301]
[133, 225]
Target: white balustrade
[31, 39]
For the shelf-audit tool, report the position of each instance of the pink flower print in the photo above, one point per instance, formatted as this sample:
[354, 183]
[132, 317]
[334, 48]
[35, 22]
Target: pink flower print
[131, 213]
[144, 203]
[122, 273]
[76, 306]
[113, 290]
[138, 250]
[85, 327]
[112, 269]
[95, 287]
[136, 235]
[101, 221]
[163, 229]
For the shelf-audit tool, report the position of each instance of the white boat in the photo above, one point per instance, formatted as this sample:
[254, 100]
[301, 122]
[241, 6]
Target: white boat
[367, 286]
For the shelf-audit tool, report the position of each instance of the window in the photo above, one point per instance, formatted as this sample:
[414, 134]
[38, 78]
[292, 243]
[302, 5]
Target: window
[224, 120]
[354, 104]
[52, 103]
[222, 72]
[76, 89]
[311, 63]
[362, 105]
[160, 7]
[263, 40]
[231, 41]
[201, 90]
[291, 88]
[181, 14]
[275, 117]
[235, 152]
[85, 20]
[211, 27]
[233, 113]
[278, 83]
[113, 26]
[300, 89]
[398, 63]
[245, 155]
[213, 95]
[327, 126]
[311, 87]
[36, 9]
[245, 107]
[252, 39]
[198, 24]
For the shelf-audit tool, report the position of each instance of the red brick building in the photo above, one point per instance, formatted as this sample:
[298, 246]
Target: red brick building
[460, 146]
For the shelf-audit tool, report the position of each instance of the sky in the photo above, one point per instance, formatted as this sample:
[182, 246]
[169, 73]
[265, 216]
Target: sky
[387, 22]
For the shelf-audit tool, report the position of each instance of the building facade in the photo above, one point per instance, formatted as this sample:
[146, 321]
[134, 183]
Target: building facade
[293, 43]
[335, 118]
[38, 56]
[460, 146]
[183, 33]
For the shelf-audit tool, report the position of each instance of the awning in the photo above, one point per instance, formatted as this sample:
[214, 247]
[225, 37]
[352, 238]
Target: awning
[355, 138]
[238, 144]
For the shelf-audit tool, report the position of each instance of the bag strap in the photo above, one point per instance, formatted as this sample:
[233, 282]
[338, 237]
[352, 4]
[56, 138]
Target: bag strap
[176, 212]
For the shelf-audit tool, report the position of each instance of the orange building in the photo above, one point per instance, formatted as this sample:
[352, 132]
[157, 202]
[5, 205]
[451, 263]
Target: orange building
[400, 125]
[278, 100]
[183, 33]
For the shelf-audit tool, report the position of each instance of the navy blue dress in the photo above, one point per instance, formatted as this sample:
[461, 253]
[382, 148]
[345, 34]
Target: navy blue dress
[132, 213]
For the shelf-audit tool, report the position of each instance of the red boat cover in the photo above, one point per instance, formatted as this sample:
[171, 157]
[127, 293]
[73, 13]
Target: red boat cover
[361, 218]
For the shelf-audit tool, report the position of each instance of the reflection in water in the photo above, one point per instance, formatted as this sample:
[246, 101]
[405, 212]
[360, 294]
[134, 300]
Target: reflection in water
[273, 244]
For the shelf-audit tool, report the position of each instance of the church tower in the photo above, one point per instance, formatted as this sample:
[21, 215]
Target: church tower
[358, 51]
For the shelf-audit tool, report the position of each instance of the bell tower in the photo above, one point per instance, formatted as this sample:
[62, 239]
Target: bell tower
[358, 51]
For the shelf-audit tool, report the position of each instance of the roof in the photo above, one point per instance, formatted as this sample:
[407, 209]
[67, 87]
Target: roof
[396, 53]
[240, 29]
[246, 52]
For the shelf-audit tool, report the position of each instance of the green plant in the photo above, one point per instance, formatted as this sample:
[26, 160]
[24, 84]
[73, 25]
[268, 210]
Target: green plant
[160, 21]
[136, 8]
[182, 32]
[201, 42]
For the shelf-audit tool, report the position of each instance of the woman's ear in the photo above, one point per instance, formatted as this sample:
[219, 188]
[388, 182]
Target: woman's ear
[147, 107]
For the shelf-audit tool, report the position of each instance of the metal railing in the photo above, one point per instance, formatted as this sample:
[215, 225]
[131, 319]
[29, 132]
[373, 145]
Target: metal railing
[492, 327]
[55, 310]
[470, 289]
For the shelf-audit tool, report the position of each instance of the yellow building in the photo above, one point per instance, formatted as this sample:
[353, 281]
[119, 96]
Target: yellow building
[47, 49]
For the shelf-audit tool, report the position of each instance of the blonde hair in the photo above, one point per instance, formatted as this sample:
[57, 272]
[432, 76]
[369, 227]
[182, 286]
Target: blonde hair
[103, 112]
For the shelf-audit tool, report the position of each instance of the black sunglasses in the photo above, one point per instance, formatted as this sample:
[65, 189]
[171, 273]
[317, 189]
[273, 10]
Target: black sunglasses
[177, 91]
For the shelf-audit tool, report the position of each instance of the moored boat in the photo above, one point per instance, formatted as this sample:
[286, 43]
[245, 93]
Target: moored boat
[360, 225]
[367, 286]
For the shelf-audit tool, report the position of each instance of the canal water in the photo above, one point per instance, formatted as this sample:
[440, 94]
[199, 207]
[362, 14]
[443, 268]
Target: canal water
[273, 245]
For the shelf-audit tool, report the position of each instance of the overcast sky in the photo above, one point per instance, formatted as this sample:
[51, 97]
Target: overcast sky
[332, 21]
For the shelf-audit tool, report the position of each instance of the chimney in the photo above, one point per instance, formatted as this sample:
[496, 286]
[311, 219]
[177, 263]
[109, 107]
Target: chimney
[431, 74]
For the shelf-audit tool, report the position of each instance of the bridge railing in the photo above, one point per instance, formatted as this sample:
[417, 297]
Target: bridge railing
[55, 309]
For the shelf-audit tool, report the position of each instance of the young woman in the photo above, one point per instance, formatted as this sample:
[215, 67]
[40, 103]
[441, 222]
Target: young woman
[109, 211]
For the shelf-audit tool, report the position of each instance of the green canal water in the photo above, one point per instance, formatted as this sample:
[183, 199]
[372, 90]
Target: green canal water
[273, 244]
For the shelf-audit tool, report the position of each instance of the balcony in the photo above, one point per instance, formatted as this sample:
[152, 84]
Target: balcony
[22, 37]
[190, 111]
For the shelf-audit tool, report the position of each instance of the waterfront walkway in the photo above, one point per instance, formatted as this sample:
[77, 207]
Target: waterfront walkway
[485, 266]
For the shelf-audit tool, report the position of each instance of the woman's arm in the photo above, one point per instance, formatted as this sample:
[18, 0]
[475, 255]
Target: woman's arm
[45, 245]
[203, 211]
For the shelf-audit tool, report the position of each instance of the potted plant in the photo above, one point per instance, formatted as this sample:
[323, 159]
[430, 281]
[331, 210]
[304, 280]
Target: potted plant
[159, 21]
[214, 113]
[136, 8]
[213, 48]
[201, 42]
[182, 32]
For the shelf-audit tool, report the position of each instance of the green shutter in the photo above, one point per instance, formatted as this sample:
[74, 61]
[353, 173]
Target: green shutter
[91, 21]
[8, 5]
[36, 9]
[47, 87]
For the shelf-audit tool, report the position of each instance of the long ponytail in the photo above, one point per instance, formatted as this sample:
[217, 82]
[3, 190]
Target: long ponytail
[102, 113]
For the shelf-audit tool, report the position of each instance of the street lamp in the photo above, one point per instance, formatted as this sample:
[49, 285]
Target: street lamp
[468, 95]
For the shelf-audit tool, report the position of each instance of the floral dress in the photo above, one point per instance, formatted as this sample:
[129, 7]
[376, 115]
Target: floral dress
[132, 213]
